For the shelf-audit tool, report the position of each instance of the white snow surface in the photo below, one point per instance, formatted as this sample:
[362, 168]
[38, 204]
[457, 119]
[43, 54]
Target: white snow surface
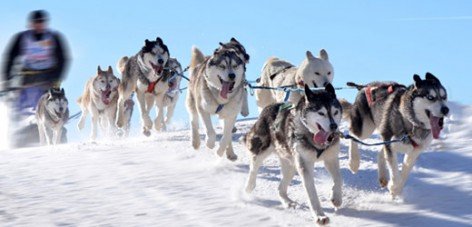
[162, 181]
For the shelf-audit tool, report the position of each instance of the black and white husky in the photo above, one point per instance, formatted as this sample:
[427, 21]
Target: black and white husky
[416, 112]
[52, 113]
[143, 74]
[300, 137]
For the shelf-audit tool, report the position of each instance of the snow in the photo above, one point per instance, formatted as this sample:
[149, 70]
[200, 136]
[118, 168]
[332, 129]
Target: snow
[162, 181]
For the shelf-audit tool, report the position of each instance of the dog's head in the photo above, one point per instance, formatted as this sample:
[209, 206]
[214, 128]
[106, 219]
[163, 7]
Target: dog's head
[106, 83]
[238, 47]
[225, 71]
[155, 55]
[175, 69]
[430, 102]
[321, 112]
[56, 103]
[315, 72]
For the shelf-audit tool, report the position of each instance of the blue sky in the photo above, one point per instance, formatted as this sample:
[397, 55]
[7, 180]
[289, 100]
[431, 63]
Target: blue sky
[366, 40]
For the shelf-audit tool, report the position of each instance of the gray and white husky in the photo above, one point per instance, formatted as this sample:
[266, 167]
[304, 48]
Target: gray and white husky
[216, 88]
[52, 113]
[300, 137]
[169, 100]
[397, 111]
[314, 72]
[99, 99]
[143, 74]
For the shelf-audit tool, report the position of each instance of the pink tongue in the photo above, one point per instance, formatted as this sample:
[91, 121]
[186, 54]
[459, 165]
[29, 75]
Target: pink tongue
[435, 128]
[106, 99]
[321, 137]
[224, 90]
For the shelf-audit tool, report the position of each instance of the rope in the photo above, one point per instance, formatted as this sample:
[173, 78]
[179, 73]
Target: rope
[347, 136]
[74, 116]
[288, 88]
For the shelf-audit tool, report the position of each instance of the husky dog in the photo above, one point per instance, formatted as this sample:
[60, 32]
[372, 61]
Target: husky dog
[216, 87]
[171, 96]
[396, 111]
[143, 73]
[52, 113]
[99, 99]
[300, 137]
[313, 71]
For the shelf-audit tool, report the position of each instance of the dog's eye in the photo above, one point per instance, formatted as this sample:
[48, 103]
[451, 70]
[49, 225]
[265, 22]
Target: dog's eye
[329, 73]
[317, 73]
[321, 113]
[235, 66]
[336, 112]
[222, 66]
[430, 97]
[102, 81]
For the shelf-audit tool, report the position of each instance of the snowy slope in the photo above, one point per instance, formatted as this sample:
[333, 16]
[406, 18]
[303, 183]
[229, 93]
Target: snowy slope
[162, 181]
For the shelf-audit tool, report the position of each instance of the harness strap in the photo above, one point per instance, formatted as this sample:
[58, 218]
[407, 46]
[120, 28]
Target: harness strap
[280, 71]
[403, 139]
[219, 108]
[370, 89]
[151, 86]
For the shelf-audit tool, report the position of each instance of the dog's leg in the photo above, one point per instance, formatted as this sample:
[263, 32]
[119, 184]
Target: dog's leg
[227, 134]
[159, 121]
[288, 172]
[145, 119]
[245, 107]
[256, 162]
[193, 115]
[42, 134]
[210, 131]
[395, 178]
[305, 168]
[48, 135]
[230, 155]
[83, 116]
[95, 119]
[332, 165]
[57, 133]
[408, 163]
[367, 127]
[382, 169]
[170, 112]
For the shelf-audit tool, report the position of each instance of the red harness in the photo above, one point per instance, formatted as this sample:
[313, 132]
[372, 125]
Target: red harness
[370, 89]
[151, 86]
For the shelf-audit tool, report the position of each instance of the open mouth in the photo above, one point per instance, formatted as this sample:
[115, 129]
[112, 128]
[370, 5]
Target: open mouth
[157, 68]
[437, 124]
[226, 87]
[323, 137]
[58, 114]
[106, 96]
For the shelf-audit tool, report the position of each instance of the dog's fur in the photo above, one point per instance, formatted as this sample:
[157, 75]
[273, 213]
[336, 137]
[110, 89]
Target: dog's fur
[300, 137]
[313, 71]
[215, 81]
[171, 96]
[416, 111]
[52, 113]
[138, 73]
[99, 99]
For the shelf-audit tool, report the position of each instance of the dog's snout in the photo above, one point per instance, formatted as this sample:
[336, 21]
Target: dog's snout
[232, 76]
[160, 61]
[444, 110]
[61, 109]
[333, 126]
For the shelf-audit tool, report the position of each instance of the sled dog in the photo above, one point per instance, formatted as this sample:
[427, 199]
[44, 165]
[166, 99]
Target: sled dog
[52, 113]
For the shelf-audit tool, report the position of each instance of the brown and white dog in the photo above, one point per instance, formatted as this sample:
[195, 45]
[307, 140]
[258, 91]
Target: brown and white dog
[52, 113]
[99, 99]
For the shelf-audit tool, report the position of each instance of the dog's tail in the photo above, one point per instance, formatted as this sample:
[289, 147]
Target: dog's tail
[197, 57]
[357, 86]
[121, 65]
[346, 108]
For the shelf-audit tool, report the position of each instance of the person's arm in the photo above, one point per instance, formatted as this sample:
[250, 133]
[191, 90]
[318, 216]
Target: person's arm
[62, 58]
[11, 53]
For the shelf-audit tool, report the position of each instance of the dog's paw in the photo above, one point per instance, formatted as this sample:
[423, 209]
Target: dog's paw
[322, 220]
[147, 122]
[337, 199]
[354, 165]
[231, 157]
[146, 132]
[383, 182]
[210, 141]
[289, 204]
[250, 187]
[394, 189]
[220, 152]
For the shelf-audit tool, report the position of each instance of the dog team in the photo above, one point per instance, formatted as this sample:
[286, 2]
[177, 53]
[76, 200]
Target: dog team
[300, 129]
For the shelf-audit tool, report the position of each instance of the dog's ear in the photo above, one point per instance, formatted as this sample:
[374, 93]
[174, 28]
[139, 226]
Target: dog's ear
[429, 76]
[324, 55]
[234, 40]
[309, 55]
[418, 80]
[330, 89]
[146, 42]
[310, 96]
[99, 70]
[159, 40]
[63, 92]
[110, 70]
[222, 45]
